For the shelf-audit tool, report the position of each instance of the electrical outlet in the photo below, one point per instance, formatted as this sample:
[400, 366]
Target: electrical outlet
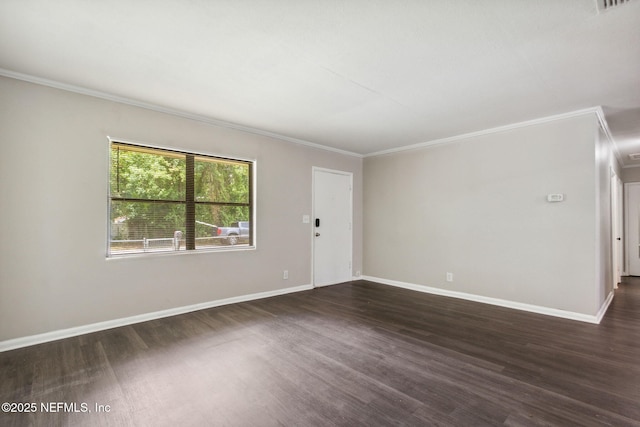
[449, 277]
[285, 274]
[358, 273]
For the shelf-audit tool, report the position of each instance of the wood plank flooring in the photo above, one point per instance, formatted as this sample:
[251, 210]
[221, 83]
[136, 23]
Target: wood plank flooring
[355, 354]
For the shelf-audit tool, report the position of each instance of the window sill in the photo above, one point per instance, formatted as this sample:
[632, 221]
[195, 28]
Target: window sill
[168, 253]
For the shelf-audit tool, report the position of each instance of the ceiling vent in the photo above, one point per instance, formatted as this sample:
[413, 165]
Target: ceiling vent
[634, 156]
[610, 4]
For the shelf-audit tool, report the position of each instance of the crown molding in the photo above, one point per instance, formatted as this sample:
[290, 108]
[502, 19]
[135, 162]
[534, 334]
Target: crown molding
[174, 112]
[607, 132]
[593, 110]
[598, 111]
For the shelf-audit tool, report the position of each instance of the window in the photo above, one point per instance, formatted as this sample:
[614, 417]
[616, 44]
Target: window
[164, 200]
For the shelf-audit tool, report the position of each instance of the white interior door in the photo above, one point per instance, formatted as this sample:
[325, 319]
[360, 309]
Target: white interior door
[632, 234]
[616, 227]
[620, 228]
[332, 226]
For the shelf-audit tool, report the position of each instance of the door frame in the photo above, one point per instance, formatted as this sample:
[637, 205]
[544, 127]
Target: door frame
[315, 169]
[617, 236]
[627, 240]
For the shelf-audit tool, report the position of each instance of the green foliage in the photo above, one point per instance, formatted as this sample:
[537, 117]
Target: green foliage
[140, 175]
[145, 174]
[221, 182]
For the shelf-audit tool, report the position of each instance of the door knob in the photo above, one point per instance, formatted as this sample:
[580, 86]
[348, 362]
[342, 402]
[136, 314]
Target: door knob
[317, 234]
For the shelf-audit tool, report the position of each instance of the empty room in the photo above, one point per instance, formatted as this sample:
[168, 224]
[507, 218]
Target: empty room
[320, 213]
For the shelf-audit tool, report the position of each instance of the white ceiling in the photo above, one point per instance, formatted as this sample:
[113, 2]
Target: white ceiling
[358, 75]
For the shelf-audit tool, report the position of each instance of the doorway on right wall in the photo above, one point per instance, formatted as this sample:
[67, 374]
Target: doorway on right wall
[632, 228]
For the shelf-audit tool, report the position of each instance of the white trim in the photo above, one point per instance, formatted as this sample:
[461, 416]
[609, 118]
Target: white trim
[110, 324]
[174, 112]
[602, 120]
[248, 129]
[617, 238]
[181, 252]
[625, 208]
[178, 149]
[627, 240]
[496, 301]
[594, 110]
[324, 285]
[604, 307]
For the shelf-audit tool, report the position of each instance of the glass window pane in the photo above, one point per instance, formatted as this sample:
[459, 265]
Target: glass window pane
[146, 227]
[218, 225]
[221, 181]
[152, 190]
[139, 173]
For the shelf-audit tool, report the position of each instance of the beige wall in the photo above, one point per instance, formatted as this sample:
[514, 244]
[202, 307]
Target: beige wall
[631, 174]
[604, 267]
[477, 208]
[53, 228]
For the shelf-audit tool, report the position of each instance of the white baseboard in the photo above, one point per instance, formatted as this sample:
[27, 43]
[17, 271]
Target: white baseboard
[109, 324]
[500, 302]
[604, 307]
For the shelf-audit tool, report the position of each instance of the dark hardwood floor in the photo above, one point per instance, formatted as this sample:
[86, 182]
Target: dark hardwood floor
[355, 354]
